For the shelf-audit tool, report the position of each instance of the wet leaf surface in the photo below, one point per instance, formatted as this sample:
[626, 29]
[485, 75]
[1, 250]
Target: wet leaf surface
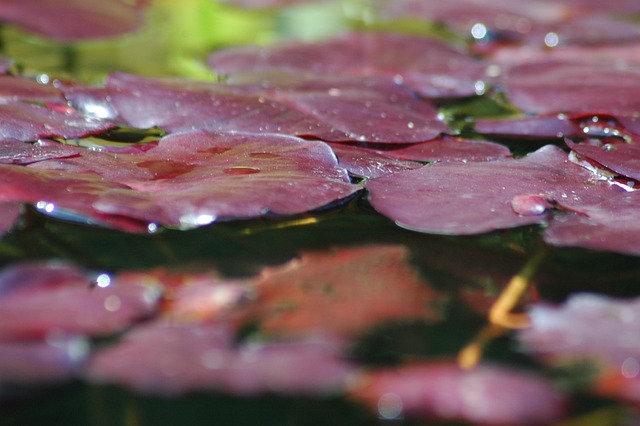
[432, 68]
[332, 109]
[480, 197]
[74, 19]
[217, 176]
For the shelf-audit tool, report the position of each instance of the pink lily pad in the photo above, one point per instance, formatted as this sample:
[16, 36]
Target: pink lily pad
[472, 198]
[167, 359]
[429, 66]
[332, 109]
[36, 301]
[342, 293]
[186, 180]
[486, 395]
[74, 19]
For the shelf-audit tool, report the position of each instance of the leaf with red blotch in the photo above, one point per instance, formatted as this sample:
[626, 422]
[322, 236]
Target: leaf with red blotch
[328, 108]
[36, 300]
[38, 361]
[485, 395]
[429, 66]
[341, 293]
[471, 198]
[67, 20]
[167, 359]
[186, 180]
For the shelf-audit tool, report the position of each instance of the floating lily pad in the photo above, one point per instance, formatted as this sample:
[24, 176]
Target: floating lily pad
[331, 109]
[429, 66]
[472, 198]
[487, 394]
[186, 180]
[74, 19]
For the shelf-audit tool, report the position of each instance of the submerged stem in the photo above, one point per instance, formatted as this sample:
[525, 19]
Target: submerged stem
[501, 312]
[501, 315]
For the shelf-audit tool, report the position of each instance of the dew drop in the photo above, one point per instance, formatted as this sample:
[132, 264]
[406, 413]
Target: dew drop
[411, 125]
[103, 280]
[390, 406]
[112, 303]
[479, 31]
[551, 39]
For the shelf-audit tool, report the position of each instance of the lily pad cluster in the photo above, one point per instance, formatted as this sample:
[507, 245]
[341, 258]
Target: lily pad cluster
[521, 114]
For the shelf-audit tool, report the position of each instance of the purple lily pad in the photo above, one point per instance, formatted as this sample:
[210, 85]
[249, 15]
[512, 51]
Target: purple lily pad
[587, 88]
[375, 160]
[74, 19]
[447, 148]
[29, 122]
[37, 301]
[167, 359]
[332, 109]
[457, 198]
[37, 362]
[540, 127]
[16, 152]
[369, 163]
[429, 66]
[487, 394]
[621, 158]
[611, 225]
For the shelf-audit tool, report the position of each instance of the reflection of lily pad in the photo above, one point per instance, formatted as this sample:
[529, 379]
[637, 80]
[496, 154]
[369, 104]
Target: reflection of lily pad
[167, 359]
[342, 293]
[487, 395]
